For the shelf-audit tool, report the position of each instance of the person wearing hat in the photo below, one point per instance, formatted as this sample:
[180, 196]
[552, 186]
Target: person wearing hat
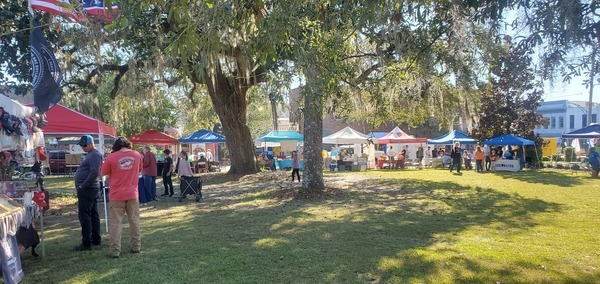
[87, 182]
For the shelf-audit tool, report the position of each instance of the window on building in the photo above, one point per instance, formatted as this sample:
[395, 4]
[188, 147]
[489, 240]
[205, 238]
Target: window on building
[583, 120]
[571, 121]
[561, 122]
[553, 122]
[594, 118]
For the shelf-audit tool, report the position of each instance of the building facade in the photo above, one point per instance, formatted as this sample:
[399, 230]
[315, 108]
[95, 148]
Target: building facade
[565, 116]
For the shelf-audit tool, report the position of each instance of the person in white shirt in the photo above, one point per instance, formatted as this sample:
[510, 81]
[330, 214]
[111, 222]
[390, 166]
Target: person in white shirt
[488, 160]
[392, 154]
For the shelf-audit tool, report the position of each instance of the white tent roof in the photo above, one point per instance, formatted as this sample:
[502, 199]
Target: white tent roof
[346, 136]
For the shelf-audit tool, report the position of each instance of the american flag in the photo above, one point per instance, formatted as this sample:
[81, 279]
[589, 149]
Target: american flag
[94, 8]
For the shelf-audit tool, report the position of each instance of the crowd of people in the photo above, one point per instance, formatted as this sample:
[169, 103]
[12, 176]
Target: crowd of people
[124, 168]
[473, 157]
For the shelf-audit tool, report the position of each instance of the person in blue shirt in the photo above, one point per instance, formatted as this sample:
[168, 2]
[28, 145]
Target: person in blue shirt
[594, 162]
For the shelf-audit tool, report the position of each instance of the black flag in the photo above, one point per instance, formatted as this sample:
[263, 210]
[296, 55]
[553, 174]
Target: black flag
[46, 73]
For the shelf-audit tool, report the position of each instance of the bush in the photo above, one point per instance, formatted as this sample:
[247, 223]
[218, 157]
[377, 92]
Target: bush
[575, 167]
[570, 154]
[546, 159]
[559, 166]
[550, 165]
[556, 158]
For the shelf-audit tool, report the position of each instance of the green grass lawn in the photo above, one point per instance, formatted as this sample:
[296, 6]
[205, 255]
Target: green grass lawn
[413, 226]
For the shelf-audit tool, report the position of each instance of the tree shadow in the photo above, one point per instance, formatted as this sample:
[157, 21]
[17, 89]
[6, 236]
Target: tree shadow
[543, 177]
[375, 231]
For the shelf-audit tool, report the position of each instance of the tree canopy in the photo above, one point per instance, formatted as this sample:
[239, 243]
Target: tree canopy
[406, 61]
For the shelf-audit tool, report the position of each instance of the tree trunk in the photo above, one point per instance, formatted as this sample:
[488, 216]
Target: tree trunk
[228, 97]
[312, 179]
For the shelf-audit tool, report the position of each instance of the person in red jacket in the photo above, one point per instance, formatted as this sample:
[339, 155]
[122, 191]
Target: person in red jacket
[122, 167]
[149, 173]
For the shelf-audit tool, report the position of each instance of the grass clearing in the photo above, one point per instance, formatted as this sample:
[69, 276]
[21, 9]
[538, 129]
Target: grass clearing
[413, 226]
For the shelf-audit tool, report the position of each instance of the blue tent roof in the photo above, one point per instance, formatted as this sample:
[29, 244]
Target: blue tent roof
[590, 131]
[277, 136]
[377, 134]
[453, 136]
[203, 136]
[508, 139]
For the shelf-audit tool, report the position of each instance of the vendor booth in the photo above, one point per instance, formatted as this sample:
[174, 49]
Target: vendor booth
[360, 159]
[397, 139]
[19, 131]
[209, 141]
[151, 137]
[66, 122]
[509, 140]
[278, 145]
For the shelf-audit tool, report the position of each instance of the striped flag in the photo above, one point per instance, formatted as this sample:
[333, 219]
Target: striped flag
[46, 72]
[94, 8]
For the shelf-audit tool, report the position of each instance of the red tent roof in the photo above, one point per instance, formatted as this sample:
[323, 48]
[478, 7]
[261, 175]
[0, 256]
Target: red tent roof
[399, 136]
[153, 137]
[65, 121]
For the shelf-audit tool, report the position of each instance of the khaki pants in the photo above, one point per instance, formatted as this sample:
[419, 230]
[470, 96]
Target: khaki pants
[115, 217]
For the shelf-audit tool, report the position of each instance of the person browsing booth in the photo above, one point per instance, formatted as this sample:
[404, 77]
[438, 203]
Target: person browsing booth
[87, 182]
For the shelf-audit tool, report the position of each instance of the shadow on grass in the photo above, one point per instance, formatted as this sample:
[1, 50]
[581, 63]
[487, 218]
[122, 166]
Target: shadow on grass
[374, 232]
[543, 177]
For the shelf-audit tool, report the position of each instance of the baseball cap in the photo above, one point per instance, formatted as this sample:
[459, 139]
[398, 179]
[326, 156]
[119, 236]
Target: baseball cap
[85, 140]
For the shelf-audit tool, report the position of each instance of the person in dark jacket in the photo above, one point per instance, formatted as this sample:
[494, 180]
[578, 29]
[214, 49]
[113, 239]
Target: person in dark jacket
[87, 182]
[456, 156]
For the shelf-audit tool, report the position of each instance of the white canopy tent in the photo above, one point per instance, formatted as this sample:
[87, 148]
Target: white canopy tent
[346, 136]
[350, 136]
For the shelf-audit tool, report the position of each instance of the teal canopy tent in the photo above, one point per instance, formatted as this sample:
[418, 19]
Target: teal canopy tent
[278, 136]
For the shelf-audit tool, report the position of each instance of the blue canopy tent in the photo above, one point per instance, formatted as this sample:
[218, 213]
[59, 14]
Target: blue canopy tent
[278, 136]
[450, 138]
[590, 131]
[509, 139]
[203, 136]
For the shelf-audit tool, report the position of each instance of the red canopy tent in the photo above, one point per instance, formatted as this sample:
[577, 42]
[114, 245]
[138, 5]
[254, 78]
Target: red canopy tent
[63, 121]
[398, 136]
[153, 137]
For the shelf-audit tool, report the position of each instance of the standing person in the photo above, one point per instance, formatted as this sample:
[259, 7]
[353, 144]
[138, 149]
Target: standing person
[87, 182]
[183, 165]
[520, 155]
[402, 157]
[467, 160]
[420, 155]
[456, 157]
[391, 153]
[149, 174]
[479, 156]
[122, 167]
[486, 153]
[167, 171]
[594, 162]
[209, 155]
[295, 166]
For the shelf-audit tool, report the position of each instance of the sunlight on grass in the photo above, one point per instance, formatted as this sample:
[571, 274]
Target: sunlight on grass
[413, 226]
[270, 242]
